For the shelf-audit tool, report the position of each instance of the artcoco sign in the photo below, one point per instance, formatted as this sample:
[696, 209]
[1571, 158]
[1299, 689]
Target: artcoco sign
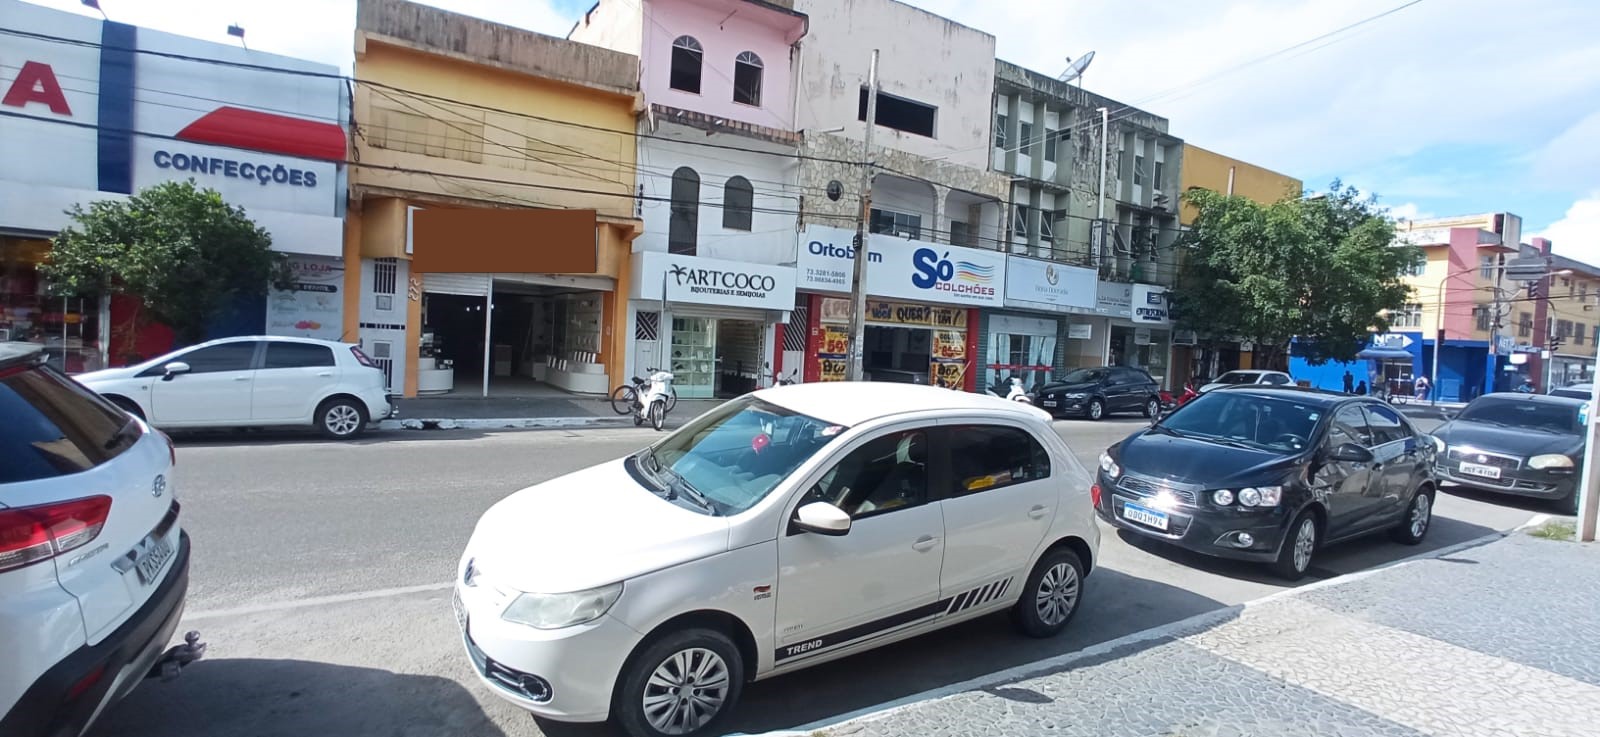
[709, 281]
[901, 268]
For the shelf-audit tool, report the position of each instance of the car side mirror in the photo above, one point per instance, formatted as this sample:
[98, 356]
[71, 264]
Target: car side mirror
[172, 370]
[822, 518]
[1350, 453]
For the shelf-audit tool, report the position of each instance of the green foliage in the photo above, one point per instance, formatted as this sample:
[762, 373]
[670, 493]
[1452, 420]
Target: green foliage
[180, 248]
[1319, 269]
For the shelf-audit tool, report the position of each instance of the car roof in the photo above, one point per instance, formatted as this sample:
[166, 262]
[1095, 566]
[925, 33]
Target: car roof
[851, 403]
[276, 338]
[18, 352]
[1322, 397]
[1539, 398]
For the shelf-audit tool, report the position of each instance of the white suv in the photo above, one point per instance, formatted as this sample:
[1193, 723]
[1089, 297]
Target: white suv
[259, 381]
[783, 529]
[94, 566]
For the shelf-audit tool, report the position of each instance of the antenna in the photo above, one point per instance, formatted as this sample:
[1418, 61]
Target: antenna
[1075, 69]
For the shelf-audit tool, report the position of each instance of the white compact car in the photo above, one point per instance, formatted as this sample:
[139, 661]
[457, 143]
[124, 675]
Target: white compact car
[789, 527]
[1249, 376]
[259, 381]
[94, 565]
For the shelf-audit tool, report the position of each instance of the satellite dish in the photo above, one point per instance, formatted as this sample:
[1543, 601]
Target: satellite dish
[1075, 69]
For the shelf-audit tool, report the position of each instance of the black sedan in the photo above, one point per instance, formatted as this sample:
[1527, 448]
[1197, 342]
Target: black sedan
[1097, 392]
[1270, 474]
[1522, 444]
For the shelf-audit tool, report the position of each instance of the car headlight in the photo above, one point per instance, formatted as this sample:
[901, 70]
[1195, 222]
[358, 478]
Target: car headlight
[555, 611]
[1222, 497]
[1438, 445]
[1110, 466]
[1552, 460]
[1261, 496]
[1074, 395]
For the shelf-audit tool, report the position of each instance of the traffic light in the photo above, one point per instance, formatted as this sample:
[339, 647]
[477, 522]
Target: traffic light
[1555, 343]
[1533, 290]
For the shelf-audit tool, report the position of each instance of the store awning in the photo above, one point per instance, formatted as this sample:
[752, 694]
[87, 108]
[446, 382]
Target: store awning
[1383, 354]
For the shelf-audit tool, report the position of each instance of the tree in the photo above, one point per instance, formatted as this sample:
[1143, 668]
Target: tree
[1320, 271]
[182, 250]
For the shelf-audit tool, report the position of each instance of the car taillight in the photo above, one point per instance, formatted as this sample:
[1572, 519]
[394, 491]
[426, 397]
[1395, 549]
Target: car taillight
[31, 534]
[362, 357]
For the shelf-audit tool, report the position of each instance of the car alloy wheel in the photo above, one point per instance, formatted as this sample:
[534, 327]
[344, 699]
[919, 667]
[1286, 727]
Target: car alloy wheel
[1305, 543]
[1152, 408]
[1421, 515]
[1097, 409]
[341, 419]
[686, 691]
[1057, 594]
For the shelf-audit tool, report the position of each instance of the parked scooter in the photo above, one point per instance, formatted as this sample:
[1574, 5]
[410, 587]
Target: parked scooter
[653, 404]
[1015, 391]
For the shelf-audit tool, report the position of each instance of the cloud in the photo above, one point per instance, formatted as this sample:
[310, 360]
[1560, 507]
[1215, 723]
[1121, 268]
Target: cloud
[1577, 235]
[1408, 211]
[1571, 158]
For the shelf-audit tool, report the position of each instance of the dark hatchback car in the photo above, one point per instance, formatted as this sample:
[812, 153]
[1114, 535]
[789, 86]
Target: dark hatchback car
[1270, 474]
[1097, 392]
[1522, 444]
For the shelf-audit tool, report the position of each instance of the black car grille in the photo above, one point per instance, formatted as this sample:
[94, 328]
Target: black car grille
[1143, 487]
[1503, 462]
[525, 685]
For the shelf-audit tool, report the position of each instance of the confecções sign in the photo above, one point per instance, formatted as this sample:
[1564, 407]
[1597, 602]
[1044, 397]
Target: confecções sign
[263, 173]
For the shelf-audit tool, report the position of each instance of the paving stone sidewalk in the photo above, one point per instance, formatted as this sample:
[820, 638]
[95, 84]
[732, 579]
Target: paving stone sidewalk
[1489, 641]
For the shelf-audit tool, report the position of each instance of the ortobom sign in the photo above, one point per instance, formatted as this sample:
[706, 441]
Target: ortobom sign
[901, 268]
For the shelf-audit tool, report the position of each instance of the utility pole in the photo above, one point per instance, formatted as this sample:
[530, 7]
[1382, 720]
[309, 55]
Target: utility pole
[1100, 216]
[1588, 490]
[858, 276]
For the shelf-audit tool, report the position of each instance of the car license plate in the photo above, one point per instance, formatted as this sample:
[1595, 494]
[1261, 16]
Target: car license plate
[1048, 403]
[149, 557]
[1481, 471]
[1150, 517]
[461, 611]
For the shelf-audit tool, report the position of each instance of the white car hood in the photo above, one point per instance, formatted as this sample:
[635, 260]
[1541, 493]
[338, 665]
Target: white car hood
[586, 529]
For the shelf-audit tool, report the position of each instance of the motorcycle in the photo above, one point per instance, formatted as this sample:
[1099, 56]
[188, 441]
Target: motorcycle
[1016, 392]
[1170, 403]
[653, 404]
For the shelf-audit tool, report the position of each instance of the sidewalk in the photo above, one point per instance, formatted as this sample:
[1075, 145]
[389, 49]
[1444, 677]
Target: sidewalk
[1486, 641]
[463, 410]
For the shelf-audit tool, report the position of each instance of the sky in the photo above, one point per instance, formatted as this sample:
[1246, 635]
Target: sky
[1443, 107]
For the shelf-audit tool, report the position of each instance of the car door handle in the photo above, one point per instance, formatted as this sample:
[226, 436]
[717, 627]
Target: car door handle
[326, 374]
[924, 543]
[1037, 512]
[241, 378]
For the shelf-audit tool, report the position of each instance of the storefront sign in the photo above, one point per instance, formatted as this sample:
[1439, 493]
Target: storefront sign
[837, 310]
[709, 281]
[898, 267]
[949, 344]
[314, 308]
[833, 356]
[1114, 298]
[1047, 282]
[263, 173]
[1150, 304]
[1080, 331]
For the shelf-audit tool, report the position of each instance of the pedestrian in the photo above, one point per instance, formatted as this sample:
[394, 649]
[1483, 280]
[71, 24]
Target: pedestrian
[1349, 382]
[1421, 388]
[1526, 387]
[1361, 389]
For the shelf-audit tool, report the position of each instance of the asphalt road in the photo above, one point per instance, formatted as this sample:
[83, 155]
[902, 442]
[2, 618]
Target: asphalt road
[320, 581]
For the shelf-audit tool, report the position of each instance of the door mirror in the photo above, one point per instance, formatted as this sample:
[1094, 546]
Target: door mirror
[822, 518]
[1350, 453]
[172, 370]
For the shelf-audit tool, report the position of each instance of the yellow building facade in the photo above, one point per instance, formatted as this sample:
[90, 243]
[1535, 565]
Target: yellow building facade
[492, 204]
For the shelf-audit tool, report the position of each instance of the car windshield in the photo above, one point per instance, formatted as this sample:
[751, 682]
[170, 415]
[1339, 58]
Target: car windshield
[1230, 418]
[1236, 377]
[728, 459]
[1524, 414]
[1084, 376]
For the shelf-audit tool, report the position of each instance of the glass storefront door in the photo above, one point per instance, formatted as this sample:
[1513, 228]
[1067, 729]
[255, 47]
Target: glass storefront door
[694, 357]
[1141, 347]
[67, 327]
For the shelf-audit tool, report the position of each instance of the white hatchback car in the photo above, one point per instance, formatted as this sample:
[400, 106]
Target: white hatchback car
[786, 528]
[94, 562]
[257, 381]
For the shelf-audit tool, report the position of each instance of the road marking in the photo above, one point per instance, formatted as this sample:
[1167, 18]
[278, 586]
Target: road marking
[317, 601]
[1429, 685]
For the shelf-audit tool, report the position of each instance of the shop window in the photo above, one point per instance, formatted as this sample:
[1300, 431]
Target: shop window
[900, 113]
[687, 61]
[738, 202]
[684, 225]
[897, 223]
[747, 79]
[987, 457]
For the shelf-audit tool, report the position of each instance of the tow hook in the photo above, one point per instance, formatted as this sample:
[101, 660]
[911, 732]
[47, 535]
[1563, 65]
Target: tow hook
[173, 661]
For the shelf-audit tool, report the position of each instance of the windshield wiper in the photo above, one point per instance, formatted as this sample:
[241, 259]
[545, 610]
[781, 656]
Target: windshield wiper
[679, 486]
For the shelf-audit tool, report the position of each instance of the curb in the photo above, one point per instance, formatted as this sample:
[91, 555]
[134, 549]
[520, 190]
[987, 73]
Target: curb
[501, 423]
[1062, 662]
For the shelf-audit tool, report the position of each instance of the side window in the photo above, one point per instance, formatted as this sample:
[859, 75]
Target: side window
[225, 357]
[1115, 377]
[1349, 426]
[1277, 379]
[990, 457]
[1386, 424]
[888, 473]
[297, 355]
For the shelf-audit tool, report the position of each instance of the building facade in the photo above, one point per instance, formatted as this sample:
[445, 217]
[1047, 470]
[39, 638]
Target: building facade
[1193, 359]
[493, 209]
[713, 275]
[94, 110]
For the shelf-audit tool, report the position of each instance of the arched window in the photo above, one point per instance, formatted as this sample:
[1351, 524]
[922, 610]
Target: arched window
[684, 227]
[747, 79]
[738, 200]
[687, 56]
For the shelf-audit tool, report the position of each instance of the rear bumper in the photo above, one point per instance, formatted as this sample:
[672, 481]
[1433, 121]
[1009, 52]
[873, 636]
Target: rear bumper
[60, 702]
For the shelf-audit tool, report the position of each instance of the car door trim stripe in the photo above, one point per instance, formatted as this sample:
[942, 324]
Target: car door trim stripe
[944, 607]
